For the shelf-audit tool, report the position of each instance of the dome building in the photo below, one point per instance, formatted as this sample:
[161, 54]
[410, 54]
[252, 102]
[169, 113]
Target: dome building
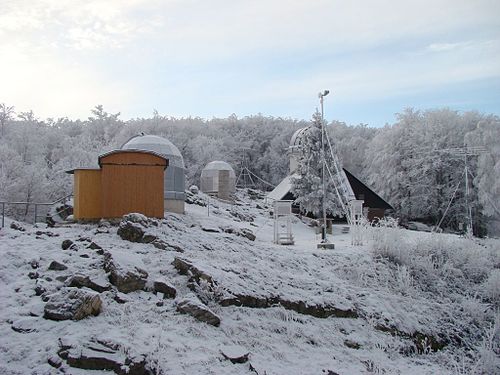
[218, 178]
[174, 185]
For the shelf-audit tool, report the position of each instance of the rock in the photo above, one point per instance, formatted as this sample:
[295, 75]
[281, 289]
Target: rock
[66, 244]
[72, 303]
[121, 298]
[194, 189]
[34, 264]
[148, 238]
[40, 287]
[185, 267]
[244, 232]
[94, 246]
[192, 306]
[100, 355]
[352, 344]
[235, 353]
[25, 325]
[161, 286]
[130, 231]
[126, 279]
[17, 226]
[56, 266]
[33, 275]
[192, 198]
[54, 361]
[81, 281]
[208, 227]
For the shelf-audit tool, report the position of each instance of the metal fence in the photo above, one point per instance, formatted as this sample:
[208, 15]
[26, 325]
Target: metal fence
[30, 211]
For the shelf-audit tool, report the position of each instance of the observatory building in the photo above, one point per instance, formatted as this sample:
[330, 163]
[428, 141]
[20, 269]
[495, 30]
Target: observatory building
[218, 178]
[374, 206]
[174, 178]
[126, 181]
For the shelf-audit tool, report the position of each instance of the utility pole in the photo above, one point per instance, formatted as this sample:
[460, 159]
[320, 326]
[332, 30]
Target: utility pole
[324, 242]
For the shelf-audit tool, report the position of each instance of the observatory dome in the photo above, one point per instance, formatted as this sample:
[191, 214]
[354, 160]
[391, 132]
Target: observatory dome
[218, 178]
[297, 137]
[156, 144]
[174, 185]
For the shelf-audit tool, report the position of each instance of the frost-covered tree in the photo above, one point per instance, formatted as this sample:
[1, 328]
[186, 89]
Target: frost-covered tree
[6, 114]
[307, 185]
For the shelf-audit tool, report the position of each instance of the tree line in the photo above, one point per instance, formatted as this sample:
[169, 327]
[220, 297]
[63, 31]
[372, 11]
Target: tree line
[406, 162]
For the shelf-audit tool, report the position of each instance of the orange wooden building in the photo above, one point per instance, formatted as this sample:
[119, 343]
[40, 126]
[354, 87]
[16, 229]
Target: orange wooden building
[127, 181]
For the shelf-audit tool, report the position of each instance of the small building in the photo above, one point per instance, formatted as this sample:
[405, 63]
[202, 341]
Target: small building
[218, 179]
[174, 186]
[126, 181]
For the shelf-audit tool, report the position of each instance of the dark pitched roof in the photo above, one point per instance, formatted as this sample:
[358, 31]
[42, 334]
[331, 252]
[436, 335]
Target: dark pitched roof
[361, 191]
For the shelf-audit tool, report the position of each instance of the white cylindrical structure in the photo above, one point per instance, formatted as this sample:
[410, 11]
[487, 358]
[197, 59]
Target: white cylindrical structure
[218, 178]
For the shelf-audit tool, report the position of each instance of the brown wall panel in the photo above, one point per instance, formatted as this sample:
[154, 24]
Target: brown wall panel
[87, 194]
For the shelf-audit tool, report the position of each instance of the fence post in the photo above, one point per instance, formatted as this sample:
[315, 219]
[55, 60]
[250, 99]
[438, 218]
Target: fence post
[36, 207]
[3, 214]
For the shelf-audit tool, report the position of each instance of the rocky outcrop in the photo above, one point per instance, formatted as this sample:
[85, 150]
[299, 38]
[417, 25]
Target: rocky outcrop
[25, 325]
[102, 355]
[164, 287]
[72, 303]
[82, 281]
[229, 298]
[235, 353]
[126, 278]
[130, 231]
[191, 305]
[185, 267]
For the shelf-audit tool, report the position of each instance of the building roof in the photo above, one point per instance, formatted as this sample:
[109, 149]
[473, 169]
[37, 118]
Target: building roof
[363, 192]
[283, 188]
[360, 190]
[157, 145]
[219, 166]
[131, 151]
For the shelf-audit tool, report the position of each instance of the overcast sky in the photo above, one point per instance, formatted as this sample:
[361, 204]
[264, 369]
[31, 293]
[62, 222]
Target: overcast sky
[212, 58]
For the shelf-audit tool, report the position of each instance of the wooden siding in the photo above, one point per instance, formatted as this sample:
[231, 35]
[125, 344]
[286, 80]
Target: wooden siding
[132, 182]
[87, 194]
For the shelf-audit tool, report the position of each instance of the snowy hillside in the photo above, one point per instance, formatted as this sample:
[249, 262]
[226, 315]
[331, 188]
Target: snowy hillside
[198, 294]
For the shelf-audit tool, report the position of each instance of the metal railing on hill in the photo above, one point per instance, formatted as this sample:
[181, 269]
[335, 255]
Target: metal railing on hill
[36, 209]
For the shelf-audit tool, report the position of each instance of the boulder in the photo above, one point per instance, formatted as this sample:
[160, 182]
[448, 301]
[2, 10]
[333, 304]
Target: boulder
[25, 325]
[17, 226]
[72, 303]
[235, 353]
[162, 286]
[247, 233]
[130, 231]
[102, 355]
[82, 281]
[193, 306]
[56, 266]
[66, 244]
[126, 278]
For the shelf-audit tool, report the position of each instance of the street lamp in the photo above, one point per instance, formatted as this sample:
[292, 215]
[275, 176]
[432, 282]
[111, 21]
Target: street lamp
[324, 243]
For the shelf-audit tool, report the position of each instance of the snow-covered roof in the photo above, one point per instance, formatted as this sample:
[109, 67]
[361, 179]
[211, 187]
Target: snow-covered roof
[282, 189]
[158, 145]
[219, 166]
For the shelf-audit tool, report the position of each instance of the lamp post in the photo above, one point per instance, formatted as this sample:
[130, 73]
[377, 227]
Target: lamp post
[321, 96]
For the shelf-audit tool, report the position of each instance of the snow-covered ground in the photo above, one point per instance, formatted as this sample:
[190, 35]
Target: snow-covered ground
[359, 312]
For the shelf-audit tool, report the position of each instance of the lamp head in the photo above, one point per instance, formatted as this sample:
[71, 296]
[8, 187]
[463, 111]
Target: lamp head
[323, 94]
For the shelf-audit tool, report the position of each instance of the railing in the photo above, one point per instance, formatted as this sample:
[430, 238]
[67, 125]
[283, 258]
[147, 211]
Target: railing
[36, 206]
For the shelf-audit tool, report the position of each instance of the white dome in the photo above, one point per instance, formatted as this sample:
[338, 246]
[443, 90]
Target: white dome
[219, 166]
[156, 144]
[297, 137]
